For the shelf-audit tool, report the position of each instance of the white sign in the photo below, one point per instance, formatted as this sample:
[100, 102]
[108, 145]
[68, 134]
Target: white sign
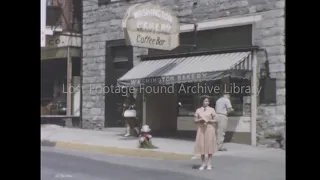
[151, 26]
[43, 15]
[58, 40]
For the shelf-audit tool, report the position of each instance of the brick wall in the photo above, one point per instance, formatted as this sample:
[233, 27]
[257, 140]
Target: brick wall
[102, 23]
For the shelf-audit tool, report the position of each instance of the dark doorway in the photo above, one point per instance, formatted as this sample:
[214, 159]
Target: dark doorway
[119, 60]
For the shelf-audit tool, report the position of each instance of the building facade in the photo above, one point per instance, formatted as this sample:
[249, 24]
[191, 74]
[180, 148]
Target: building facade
[103, 39]
[61, 51]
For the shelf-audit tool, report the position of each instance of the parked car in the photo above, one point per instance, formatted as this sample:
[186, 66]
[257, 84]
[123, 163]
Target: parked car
[61, 107]
[56, 106]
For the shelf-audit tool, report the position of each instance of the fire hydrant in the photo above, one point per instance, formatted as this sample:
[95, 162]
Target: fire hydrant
[145, 138]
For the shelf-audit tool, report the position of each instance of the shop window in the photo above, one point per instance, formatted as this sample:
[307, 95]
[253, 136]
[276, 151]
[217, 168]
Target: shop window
[187, 107]
[240, 96]
[186, 102]
[237, 104]
[240, 100]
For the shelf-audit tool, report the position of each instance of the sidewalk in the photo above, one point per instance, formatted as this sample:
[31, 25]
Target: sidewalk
[111, 141]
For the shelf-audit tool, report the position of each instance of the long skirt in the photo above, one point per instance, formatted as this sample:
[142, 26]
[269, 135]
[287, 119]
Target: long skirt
[205, 140]
[131, 122]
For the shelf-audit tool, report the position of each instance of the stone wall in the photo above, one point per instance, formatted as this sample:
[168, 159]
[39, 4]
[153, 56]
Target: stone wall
[102, 23]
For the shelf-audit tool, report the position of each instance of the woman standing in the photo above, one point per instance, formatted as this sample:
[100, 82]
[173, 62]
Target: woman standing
[206, 137]
[131, 122]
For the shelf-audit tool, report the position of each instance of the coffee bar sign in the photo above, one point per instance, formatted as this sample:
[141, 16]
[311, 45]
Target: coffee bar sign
[151, 26]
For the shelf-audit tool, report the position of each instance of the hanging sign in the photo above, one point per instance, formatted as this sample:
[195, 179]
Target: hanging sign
[151, 26]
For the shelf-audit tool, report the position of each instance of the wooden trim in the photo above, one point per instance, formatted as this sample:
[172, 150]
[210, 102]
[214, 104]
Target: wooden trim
[56, 53]
[222, 23]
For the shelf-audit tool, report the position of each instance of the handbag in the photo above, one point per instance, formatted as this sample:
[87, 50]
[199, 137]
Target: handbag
[130, 113]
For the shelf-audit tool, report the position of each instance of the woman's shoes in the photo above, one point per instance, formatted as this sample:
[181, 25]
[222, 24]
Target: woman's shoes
[195, 157]
[209, 167]
[202, 167]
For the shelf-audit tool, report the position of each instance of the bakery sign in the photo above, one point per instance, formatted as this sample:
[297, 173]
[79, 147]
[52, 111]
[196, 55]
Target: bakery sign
[151, 26]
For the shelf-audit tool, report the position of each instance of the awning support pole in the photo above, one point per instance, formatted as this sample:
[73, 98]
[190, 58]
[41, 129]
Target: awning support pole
[253, 125]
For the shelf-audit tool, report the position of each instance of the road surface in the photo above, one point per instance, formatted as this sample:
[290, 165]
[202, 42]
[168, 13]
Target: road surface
[75, 165]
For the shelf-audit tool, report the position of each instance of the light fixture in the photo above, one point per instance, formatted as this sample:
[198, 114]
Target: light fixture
[264, 70]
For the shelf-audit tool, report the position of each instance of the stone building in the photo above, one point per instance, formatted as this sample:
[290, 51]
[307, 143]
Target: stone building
[102, 26]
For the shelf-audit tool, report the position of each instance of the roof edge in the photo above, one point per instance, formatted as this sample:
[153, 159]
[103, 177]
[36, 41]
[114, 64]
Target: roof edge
[200, 53]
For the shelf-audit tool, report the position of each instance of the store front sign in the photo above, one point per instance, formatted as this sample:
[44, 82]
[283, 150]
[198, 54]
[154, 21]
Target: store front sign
[151, 26]
[62, 41]
[172, 79]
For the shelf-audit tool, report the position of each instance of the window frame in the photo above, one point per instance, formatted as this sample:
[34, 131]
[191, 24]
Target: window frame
[236, 100]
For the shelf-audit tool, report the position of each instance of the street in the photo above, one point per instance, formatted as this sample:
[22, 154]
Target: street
[75, 165]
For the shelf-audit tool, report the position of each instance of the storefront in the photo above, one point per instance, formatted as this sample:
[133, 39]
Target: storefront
[167, 80]
[60, 76]
[61, 55]
[222, 45]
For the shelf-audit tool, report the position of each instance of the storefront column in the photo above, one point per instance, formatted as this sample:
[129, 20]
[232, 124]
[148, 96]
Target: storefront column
[253, 126]
[69, 84]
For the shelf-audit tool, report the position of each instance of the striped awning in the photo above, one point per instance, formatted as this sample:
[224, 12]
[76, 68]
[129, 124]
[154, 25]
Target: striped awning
[188, 69]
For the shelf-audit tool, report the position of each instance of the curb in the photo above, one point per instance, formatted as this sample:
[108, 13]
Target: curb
[117, 151]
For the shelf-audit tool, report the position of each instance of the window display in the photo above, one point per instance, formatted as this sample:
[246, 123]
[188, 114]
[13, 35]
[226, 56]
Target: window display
[189, 101]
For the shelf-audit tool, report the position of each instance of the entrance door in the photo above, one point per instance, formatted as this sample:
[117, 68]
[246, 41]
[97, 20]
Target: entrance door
[119, 61]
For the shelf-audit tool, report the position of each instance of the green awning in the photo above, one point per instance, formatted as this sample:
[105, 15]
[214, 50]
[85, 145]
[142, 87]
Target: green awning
[189, 69]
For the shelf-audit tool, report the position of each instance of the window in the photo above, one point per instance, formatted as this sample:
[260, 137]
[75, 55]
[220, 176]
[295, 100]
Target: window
[240, 99]
[188, 100]
[186, 104]
[54, 14]
[120, 57]
[240, 96]
[213, 39]
[120, 54]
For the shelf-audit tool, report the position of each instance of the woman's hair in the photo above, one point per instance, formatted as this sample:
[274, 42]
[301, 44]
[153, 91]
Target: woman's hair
[203, 97]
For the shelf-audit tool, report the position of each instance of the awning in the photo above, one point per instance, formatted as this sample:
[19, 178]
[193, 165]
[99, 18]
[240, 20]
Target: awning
[188, 69]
